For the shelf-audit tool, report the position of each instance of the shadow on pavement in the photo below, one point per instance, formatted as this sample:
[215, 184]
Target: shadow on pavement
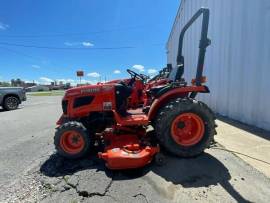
[57, 166]
[202, 171]
[3, 110]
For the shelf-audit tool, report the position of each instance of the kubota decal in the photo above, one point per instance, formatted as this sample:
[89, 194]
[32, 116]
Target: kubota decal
[91, 90]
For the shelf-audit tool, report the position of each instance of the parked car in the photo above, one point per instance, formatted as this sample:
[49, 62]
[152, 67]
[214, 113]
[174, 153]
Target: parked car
[11, 97]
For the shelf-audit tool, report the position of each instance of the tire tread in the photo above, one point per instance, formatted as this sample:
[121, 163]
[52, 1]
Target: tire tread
[166, 115]
[75, 126]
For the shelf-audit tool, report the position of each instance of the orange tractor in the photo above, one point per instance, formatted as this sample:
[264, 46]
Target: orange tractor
[114, 116]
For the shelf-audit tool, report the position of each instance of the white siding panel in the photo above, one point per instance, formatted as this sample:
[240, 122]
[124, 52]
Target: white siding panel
[237, 63]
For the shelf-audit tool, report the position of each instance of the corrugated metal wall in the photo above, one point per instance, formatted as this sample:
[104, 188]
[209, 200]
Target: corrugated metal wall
[238, 60]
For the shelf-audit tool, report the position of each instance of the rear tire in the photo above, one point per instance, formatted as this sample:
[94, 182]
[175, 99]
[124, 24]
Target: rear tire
[11, 103]
[72, 140]
[185, 127]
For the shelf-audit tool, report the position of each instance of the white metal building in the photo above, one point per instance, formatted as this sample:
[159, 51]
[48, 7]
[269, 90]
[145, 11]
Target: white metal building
[237, 62]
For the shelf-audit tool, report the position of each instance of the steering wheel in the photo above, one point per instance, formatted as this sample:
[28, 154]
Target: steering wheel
[145, 77]
[135, 75]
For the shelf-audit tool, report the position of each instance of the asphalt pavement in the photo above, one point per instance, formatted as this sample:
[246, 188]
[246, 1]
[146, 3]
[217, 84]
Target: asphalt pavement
[30, 171]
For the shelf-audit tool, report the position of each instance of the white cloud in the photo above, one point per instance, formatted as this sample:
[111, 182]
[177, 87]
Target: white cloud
[152, 71]
[116, 71]
[3, 26]
[68, 44]
[93, 74]
[87, 44]
[65, 80]
[139, 67]
[83, 81]
[36, 66]
[45, 80]
[31, 81]
[71, 81]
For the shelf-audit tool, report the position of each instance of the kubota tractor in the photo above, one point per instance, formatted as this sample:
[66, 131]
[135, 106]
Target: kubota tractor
[99, 116]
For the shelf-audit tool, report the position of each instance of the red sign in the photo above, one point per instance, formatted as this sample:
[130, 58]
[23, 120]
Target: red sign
[80, 73]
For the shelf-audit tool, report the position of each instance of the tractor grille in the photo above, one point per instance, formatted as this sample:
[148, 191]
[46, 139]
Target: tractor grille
[64, 106]
[82, 101]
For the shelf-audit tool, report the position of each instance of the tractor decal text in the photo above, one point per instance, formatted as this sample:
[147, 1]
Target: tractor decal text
[92, 90]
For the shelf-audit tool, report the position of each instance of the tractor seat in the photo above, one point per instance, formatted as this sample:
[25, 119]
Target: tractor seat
[154, 90]
[122, 92]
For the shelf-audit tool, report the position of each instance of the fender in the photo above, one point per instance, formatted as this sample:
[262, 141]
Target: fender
[174, 93]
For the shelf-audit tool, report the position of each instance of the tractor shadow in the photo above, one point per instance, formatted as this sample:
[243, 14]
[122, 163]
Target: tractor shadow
[202, 171]
[57, 166]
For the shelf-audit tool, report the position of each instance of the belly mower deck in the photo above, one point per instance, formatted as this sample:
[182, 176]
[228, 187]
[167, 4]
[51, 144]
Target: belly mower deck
[127, 151]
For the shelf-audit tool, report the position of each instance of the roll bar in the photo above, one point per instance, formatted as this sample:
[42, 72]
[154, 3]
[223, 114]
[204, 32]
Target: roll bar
[204, 43]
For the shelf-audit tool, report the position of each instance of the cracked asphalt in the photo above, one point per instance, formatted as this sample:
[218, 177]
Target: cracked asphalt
[30, 171]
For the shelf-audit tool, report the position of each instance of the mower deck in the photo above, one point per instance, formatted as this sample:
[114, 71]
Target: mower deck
[126, 151]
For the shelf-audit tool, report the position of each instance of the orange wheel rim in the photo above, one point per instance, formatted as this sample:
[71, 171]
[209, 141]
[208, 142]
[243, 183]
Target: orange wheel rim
[187, 129]
[72, 142]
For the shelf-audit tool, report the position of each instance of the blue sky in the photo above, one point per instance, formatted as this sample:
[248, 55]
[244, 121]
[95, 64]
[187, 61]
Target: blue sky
[143, 25]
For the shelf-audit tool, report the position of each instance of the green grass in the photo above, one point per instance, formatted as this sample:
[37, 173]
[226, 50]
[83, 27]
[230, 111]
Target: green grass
[49, 93]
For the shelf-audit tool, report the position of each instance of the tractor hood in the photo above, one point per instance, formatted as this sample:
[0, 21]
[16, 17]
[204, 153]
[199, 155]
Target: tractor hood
[89, 89]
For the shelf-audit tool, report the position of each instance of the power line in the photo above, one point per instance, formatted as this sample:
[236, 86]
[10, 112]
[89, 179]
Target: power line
[75, 48]
[65, 48]
[28, 56]
[76, 34]
[21, 53]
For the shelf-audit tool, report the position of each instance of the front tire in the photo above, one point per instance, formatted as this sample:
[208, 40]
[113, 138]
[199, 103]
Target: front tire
[11, 103]
[72, 140]
[185, 127]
